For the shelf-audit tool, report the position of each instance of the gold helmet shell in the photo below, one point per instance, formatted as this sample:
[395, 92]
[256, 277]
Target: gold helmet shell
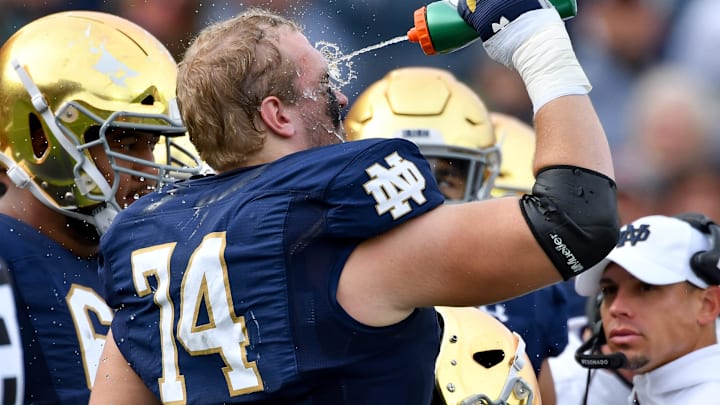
[443, 116]
[73, 74]
[516, 140]
[482, 362]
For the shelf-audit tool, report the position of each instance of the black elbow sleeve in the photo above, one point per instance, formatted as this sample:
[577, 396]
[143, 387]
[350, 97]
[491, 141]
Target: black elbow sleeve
[573, 214]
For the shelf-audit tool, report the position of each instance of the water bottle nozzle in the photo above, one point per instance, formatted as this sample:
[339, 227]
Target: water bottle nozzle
[419, 33]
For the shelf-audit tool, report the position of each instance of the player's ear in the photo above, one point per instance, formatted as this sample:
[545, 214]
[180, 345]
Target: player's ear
[711, 305]
[276, 116]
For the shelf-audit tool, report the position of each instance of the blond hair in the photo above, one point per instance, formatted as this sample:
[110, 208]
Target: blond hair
[227, 71]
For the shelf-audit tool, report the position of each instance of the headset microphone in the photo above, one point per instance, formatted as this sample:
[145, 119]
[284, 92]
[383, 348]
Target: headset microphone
[596, 360]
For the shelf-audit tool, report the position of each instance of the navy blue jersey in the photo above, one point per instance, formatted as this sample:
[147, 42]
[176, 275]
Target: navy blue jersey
[62, 318]
[540, 317]
[225, 285]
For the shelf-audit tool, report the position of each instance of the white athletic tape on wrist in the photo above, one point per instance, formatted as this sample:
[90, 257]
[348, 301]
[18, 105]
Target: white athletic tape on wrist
[505, 42]
[549, 68]
[537, 45]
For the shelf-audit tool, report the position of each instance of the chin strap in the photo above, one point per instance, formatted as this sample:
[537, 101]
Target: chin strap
[103, 217]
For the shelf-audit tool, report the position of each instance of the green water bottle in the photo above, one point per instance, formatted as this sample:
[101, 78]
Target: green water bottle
[440, 29]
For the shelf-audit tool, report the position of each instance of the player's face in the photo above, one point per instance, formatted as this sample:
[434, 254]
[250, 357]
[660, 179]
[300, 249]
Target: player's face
[321, 103]
[135, 145]
[652, 325]
[451, 177]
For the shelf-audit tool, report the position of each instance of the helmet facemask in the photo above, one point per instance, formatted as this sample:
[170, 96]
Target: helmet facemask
[463, 174]
[121, 80]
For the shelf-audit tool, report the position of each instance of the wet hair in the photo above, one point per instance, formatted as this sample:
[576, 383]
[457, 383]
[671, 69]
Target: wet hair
[229, 68]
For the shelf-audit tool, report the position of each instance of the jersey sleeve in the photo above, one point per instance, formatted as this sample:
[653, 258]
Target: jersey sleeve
[383, 186]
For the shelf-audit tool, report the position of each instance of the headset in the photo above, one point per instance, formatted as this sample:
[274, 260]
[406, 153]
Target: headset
[595, 359]
[588, 354]
[705, 263]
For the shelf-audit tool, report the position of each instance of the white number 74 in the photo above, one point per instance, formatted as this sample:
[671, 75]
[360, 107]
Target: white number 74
[205, 283]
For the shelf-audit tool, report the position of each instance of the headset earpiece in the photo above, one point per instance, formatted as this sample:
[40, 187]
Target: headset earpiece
[589, 353]
[705, 263]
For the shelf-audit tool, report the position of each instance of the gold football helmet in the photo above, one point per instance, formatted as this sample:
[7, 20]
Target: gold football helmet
[443, 116]
[516, 140]
[481, 362]
[76, 76]
[178, 156]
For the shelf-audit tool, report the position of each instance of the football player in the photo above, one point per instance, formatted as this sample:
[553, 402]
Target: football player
[307, 269]
[85, 97]
[474, 154]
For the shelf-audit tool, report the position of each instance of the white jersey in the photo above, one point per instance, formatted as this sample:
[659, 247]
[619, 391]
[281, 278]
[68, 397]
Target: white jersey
[11, 353]
[691, 379]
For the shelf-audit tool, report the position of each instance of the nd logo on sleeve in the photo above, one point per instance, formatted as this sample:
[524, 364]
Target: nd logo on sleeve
[394, 186]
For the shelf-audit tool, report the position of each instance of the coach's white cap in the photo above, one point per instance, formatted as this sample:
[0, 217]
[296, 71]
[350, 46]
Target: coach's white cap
[655, 249]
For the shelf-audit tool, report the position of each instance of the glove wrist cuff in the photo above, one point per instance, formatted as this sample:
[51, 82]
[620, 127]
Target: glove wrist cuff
[502, 46]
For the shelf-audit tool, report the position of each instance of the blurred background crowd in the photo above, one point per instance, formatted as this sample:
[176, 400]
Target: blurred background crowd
[654, 66]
